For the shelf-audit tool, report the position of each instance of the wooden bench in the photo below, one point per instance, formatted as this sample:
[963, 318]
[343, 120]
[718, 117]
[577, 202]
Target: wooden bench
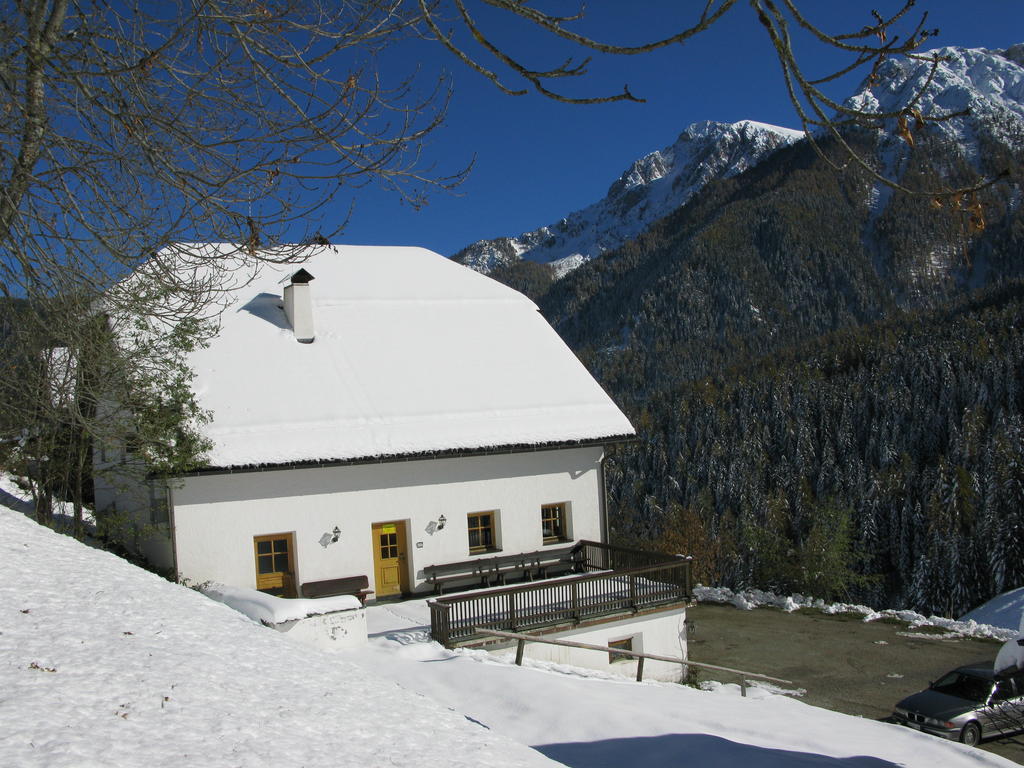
[555, 561]
[527, 566]
[358, 586]
[521, 565]
[480, 570]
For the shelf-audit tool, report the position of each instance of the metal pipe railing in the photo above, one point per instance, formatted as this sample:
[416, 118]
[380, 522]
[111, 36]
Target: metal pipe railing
[521, 640]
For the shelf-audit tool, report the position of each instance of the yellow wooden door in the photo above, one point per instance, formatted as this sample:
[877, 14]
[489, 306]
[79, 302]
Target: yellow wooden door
[389, 561]
[275, 564]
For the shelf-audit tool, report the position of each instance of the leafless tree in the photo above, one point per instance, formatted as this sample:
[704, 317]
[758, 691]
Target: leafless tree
[131, 126]
[863, 50]
[73, 384]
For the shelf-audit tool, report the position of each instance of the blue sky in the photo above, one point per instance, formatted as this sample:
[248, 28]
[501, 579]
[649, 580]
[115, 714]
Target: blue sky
[536, 160]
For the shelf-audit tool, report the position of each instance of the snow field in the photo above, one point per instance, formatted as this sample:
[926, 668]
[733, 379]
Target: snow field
[590, 719]
[103, 664]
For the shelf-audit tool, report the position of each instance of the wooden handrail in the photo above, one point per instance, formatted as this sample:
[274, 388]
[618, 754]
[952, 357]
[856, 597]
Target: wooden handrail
[522, 639]
[559, 601]
[534, 585]
[613, 580]
[654, 557]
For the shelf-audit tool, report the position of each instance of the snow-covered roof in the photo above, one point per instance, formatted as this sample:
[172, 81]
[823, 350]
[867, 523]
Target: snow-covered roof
[413, 354]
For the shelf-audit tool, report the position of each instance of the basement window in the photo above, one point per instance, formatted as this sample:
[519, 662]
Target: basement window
[625, 644]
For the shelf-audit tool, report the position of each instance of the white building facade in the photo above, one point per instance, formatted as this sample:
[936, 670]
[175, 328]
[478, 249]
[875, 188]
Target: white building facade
[219, 518]
[400, 412]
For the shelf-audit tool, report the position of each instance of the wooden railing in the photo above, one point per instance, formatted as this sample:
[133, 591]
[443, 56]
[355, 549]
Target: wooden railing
[521, 640]
[568, 600]
[595, 556]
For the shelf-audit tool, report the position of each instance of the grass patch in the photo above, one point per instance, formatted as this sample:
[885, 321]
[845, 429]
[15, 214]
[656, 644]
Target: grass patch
[926, 629]
[817, 613]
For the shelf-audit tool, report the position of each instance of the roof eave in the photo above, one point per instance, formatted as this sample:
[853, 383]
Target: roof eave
[454, 453]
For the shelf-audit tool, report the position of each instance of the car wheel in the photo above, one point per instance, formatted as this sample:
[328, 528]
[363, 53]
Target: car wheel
[971, 734]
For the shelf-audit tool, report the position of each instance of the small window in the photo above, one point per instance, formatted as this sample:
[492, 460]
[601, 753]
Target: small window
[158, 504]
[275, 564]
[388, 542]
[554, 523]
[625, 644]
[482, 531]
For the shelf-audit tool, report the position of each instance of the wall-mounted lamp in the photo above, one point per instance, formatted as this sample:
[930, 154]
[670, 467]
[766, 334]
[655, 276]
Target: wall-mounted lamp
[330, 537]
[441, 521]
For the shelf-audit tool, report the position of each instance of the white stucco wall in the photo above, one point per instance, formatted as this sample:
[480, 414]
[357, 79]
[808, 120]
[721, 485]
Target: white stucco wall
[216, 516]
[124, 505]
[662, 633]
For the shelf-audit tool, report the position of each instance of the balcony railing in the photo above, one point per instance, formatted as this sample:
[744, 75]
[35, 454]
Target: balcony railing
[595, 556]
[614, 581]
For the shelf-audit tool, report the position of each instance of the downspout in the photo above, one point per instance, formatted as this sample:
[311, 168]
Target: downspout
[603, 497]
[174, 533]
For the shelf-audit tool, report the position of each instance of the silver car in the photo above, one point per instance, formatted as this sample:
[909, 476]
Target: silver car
[970, 704]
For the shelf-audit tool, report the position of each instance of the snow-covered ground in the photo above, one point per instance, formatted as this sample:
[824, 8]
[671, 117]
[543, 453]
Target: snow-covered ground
[1004, 610]
[588, 719]
[105, 664]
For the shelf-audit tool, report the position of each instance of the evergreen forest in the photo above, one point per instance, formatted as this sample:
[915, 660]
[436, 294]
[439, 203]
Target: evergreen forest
[824, 377]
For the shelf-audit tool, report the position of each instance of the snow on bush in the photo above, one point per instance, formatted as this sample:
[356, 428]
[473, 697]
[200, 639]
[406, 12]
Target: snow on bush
[756, 598]
[271, 610]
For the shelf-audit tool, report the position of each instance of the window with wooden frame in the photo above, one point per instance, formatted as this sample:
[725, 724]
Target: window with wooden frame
[554, 523]
[625, 644]
[482, 528]
[275, 564]
[159, 503]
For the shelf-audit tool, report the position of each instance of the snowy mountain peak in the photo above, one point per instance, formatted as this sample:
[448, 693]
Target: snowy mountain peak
[648, 190]
[986, 84]
[645, 170]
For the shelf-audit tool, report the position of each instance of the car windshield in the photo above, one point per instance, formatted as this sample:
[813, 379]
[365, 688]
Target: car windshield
[964, 686]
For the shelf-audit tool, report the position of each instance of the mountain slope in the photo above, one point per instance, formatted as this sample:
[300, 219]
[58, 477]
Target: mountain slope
[723, 331]
[987, 87]
[983, 93]
[652, 187]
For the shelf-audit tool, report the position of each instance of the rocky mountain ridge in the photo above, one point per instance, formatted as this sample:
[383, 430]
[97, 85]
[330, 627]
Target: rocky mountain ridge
[648, 190]
[983, 88]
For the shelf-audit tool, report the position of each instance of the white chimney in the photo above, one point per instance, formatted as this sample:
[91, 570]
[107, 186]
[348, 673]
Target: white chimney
[298, 306]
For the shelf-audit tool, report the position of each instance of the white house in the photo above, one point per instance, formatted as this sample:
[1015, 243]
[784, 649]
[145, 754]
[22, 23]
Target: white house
[376, 411]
